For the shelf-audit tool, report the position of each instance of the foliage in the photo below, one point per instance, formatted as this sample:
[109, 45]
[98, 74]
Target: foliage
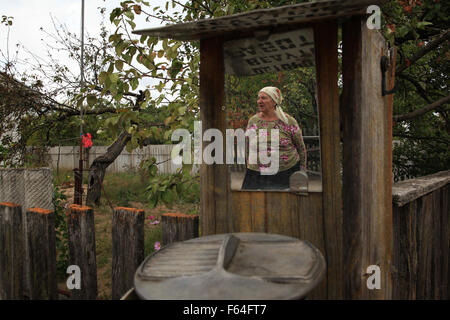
[422, 142]
[62, 244]
[149, 87]
[170, 188]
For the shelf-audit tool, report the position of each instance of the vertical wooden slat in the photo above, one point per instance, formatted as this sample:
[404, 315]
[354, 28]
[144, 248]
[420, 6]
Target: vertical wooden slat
[127, 248]
[12, 252]
[178, 227]
[367, 168]
[214, 182]
[282, 214]
[41, 239]
[310, 216]
[325, 38]
[258, 211]
[82, 252]
[242, 219]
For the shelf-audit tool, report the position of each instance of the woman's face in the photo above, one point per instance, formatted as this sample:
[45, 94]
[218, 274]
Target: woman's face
[265, 103]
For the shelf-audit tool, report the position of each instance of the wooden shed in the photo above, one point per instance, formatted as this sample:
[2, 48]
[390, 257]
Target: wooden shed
[350, 217]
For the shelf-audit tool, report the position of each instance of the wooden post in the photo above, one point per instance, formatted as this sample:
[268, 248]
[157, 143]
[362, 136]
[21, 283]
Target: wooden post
[81, 233]
[178, 227]
[41, 239]
[12, 252]
[127, 248]
[326, 46]
[214, 183]
[367, 164]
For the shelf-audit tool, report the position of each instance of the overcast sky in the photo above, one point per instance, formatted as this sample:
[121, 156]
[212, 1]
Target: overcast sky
[30, 15]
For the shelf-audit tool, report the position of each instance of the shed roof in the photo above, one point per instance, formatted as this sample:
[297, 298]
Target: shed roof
[230, 26]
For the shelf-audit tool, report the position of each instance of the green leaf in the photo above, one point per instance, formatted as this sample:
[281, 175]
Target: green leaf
[134, 83]
[423, 24]
[182, 110]
[119, 65]
[144, 105]
[91, 100]
[168, 196]
[129, 14]
[102, 77]
[143, 38]
[132, 24]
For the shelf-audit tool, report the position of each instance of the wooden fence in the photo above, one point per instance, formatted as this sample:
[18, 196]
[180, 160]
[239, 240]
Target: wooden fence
[421, 228]
[127, 249]
[420, 260]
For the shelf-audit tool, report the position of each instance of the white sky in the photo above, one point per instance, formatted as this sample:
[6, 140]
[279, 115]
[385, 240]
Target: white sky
[30, 15]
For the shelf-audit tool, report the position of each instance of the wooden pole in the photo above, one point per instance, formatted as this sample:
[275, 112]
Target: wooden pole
[178, 227]
[81, 233]
[41, 239]
[127, 248]
[326, 50]
[215, 205]
[367, 163]
[12, 252]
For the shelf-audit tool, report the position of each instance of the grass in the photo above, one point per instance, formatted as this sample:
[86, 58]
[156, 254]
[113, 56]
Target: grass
[127, 190]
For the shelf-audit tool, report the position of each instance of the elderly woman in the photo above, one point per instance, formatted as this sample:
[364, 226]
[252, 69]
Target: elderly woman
[292, 151]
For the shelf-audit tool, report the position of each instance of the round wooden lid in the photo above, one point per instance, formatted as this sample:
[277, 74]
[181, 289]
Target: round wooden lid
[237, 266]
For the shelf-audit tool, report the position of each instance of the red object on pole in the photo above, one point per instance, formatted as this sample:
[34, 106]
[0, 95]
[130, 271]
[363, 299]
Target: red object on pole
[87, 140]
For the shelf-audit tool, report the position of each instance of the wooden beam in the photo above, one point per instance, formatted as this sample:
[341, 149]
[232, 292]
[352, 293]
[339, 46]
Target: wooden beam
[127, 248]
[326, 45]
[214, 182]
[367, 162]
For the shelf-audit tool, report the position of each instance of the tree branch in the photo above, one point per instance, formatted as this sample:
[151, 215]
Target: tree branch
[420, 90]
[423, 110]
[419, 54]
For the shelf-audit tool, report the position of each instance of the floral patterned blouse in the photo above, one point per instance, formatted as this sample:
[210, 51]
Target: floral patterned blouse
[291, 146]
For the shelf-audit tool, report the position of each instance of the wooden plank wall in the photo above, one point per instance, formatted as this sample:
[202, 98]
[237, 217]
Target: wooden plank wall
[421, 247]
[282, 213]
[367, 165]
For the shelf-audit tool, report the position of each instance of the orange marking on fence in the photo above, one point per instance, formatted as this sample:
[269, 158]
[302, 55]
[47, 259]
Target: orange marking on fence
[179, 215]
[129, 209]
[9, 204]
[40, 210]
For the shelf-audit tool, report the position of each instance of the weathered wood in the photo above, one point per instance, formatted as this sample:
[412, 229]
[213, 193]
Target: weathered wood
[12, 252]
[409, 190]
[127, 248]
[178, 227]
[325, 37]
[42, 254]
[367, 165]
[421, 247]
[282, 213]
[81, 234]
[214, 181]
[264, 19]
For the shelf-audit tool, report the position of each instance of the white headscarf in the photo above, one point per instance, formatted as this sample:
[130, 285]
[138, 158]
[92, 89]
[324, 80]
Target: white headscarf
[275, 94]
